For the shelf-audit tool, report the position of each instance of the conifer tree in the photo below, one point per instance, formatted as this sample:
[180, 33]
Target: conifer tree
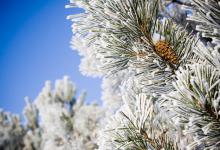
[56, 119]
[164, 48]
[159, 61]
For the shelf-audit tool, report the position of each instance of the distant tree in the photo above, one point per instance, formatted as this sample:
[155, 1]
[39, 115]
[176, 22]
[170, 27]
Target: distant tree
[56, 120]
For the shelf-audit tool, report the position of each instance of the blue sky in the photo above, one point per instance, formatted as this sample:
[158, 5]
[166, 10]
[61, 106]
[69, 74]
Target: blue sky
[34, 47]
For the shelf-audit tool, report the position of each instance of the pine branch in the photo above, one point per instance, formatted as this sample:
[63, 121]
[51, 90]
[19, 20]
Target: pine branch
[136, 128]
[206, 14]
[131, 35]
[195, 104]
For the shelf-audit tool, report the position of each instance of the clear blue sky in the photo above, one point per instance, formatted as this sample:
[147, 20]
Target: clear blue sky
[34, 47]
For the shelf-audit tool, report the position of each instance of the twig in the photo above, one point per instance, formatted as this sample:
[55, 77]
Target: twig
[182, 3]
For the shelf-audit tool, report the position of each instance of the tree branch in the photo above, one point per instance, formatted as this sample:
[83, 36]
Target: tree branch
[182, 3]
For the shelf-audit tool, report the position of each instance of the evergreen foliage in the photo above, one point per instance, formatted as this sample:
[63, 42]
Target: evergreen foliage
[159, 61]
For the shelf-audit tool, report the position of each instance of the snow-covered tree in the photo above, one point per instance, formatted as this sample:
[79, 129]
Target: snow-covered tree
[57, 119]
[167, 50]
[159, 61]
